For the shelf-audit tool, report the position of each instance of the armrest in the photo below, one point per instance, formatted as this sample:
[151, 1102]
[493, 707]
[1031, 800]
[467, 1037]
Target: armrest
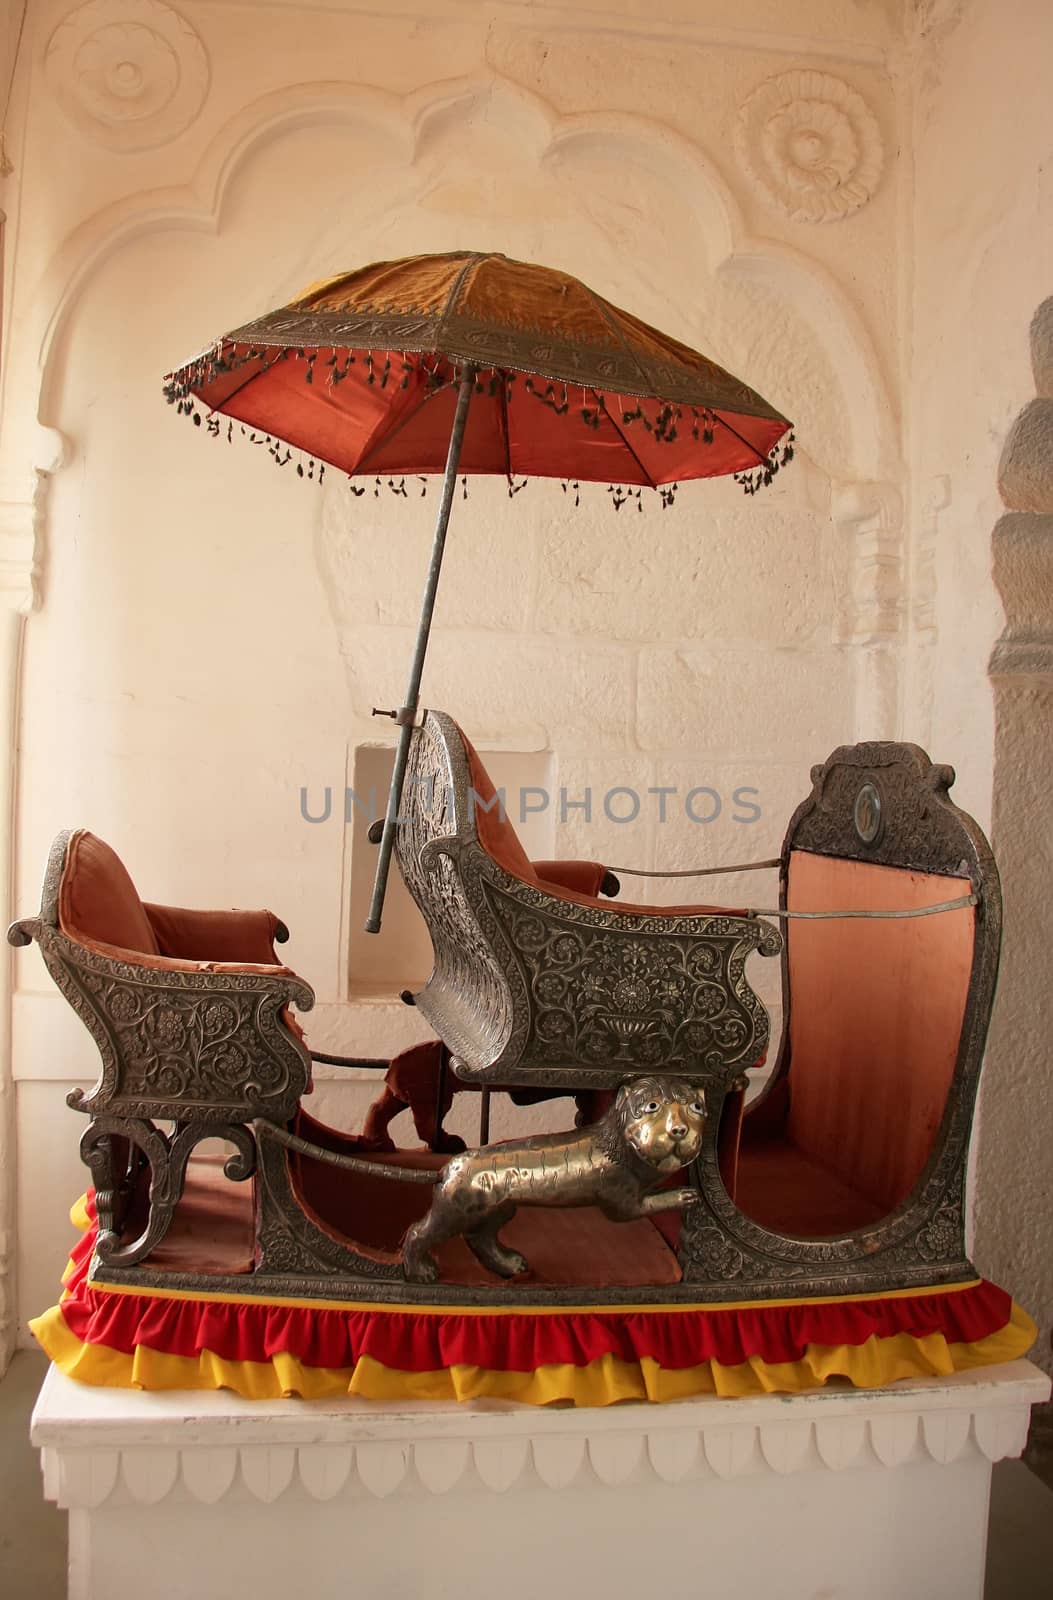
[217, 936]
[152, 963]
[575, 897]
[584, 877]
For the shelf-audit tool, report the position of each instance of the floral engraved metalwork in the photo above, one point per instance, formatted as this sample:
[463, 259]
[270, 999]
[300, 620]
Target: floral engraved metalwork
[708, 1252]
[920, 826]
[192, 1051]
[205, 1050]
[116, 1148]
[636, 1000]
[291, 1243]
[175, 1041]
[532, 989]
[942, 1236]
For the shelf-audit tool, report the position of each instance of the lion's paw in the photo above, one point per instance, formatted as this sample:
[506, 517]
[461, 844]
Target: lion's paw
[423, 1270]
[511, 1264]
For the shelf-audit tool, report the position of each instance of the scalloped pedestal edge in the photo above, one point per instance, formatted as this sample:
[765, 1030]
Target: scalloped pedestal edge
[214, 1495]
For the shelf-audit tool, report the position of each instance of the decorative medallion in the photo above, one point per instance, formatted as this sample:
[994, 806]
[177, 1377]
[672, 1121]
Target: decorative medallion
[811, 145]
[867, 814]
[129, 74]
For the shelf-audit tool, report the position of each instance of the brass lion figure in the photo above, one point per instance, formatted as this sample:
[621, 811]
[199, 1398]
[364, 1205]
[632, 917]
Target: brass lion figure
[653, 1129]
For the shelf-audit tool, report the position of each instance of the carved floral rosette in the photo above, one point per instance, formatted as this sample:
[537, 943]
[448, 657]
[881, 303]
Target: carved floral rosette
[811, 145]
[130, 74]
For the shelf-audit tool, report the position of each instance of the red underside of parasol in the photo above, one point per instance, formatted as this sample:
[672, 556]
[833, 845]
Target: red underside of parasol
[517, 426]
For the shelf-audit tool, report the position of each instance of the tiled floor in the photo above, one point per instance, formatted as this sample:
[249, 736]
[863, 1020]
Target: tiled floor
[33, 1533]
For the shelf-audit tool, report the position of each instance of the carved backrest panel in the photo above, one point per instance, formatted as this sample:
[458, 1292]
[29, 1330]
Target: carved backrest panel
[889, 803]
[467, 999]
[603, 994]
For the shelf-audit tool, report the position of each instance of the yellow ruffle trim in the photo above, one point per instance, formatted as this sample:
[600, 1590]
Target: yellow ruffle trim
[602, 1382]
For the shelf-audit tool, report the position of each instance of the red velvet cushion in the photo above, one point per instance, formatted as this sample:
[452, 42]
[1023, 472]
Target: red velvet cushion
[214, 935]
[584, 877]
[98, 902]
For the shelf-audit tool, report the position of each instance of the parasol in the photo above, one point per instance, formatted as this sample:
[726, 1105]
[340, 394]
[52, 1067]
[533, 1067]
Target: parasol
[473, 363]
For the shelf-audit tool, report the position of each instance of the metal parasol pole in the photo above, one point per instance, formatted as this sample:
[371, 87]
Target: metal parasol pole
[406, 715]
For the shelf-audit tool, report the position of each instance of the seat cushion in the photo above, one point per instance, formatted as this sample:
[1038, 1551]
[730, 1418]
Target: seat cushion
[567, 1247]
[214, 935]
[782, 1188]
[98, 902]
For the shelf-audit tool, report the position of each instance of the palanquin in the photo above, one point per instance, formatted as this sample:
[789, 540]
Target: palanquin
[842, 1181]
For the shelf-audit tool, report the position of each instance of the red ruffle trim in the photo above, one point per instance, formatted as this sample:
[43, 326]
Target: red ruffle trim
[417, 1341]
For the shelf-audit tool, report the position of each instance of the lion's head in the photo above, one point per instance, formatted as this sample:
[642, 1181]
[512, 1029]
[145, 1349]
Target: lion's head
[663, 1120]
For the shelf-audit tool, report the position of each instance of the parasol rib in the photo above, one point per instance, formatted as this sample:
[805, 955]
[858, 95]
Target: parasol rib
[377, 442]
[502, 418]
[763, 460]
[455, 289]
[601, 401]
[612, 326]
[243, 383]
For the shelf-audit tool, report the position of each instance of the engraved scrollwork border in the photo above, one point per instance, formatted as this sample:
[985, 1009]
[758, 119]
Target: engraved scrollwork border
[492, 891]
[293, 1246]
[484, 1010]
[167, 1156]
[85, 976]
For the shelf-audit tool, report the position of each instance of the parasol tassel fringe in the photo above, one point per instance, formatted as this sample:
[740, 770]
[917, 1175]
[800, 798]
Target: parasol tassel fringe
[313, 471]
[760, 477]
[664, 424]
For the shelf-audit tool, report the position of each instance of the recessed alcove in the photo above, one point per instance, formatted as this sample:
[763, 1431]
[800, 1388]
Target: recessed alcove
[400, 955]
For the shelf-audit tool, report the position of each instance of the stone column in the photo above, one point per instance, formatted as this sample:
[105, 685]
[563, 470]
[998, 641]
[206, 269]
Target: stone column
[1014, 1185]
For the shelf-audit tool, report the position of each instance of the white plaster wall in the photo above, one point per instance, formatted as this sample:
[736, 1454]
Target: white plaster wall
[211, 633]
[983, 262]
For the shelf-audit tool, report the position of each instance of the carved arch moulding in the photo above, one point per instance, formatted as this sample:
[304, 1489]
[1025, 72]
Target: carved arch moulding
[415, 131]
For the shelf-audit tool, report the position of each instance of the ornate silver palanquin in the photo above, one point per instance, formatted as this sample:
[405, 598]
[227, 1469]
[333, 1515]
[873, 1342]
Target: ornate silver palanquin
[204, 1052]
[533, 988]
[530, 989]
[885, 804]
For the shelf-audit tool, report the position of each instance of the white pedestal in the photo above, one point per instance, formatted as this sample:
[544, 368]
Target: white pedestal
[838, 1495]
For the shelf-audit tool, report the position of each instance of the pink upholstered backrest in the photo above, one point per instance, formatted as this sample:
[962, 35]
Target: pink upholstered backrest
[98, 902]
[496, 834]
[876, 1010]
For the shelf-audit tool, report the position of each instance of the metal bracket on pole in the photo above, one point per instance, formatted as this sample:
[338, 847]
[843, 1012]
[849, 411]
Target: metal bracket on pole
[406, 716]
